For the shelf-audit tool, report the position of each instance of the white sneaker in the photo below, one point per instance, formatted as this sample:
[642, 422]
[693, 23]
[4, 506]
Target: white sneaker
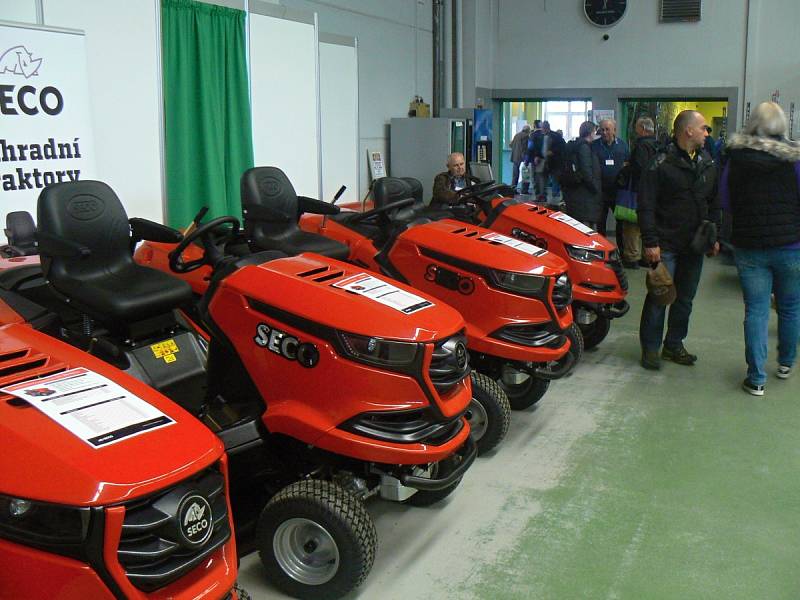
[783, 372]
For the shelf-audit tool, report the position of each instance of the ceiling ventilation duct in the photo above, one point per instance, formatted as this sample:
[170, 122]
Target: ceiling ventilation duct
[679, 11]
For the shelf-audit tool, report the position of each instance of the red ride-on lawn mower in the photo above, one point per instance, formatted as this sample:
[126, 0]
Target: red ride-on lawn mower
[338, 395]
[599, 284]
[145, 517]
[514, 296]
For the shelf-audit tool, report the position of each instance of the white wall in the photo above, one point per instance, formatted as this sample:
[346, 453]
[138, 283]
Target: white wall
[553, 45]
[23, 11]
[395, 50]
[124, 72]
[773, 61]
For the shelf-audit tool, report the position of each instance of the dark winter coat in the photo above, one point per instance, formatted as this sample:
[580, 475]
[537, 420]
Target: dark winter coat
[761, 183]
[584, 201]
[676, 194]
[644, 151]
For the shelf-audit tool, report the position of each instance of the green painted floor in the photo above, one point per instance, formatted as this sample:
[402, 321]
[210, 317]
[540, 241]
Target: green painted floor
[622, 483]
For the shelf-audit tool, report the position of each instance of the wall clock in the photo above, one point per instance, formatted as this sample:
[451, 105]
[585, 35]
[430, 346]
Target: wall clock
[604, 13]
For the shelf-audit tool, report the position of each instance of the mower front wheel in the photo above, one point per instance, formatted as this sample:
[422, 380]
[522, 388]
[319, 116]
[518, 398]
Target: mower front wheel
[595, 332]
[488, 414]
[316, 540]
[576, 342]
[523, 390]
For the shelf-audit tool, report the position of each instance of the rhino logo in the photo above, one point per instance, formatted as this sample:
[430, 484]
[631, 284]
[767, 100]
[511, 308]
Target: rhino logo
[19, 61]
[195, 513]
[194, 521]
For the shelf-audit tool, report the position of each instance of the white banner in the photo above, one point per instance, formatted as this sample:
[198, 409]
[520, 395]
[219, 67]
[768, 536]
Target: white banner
[45, 123]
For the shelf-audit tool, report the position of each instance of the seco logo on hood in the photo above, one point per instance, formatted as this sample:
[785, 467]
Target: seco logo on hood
[195, 524]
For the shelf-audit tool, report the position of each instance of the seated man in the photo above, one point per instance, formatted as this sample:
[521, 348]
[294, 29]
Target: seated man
[447, 183]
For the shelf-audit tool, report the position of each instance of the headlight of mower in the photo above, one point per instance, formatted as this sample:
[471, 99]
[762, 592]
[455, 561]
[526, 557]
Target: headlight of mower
[585, 254]
[519, 283]
[377, 351]
[61, 529]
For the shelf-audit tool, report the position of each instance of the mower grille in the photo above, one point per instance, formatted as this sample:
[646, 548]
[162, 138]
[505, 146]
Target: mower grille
[562, 292]
[615, 264]
[542, 335]
[406, 427]
[26, 364]
[152, 549]
[449, 362]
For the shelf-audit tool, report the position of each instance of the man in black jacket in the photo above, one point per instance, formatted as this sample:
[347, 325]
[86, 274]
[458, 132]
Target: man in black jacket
[643, 152]
[676, 193]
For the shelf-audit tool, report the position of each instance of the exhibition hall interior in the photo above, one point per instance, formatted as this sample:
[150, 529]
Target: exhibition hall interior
[391, 299]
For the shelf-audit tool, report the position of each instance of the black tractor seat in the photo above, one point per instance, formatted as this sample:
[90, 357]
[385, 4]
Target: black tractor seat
[85, 241]
[272, 210]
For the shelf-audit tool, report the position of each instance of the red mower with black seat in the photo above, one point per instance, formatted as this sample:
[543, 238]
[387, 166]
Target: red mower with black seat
[599, 284]
[323, 397]
[514, 296]
[118, 494]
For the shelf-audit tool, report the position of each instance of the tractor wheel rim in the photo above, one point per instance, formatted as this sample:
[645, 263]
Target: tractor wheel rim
[477, 418]
[306, 551]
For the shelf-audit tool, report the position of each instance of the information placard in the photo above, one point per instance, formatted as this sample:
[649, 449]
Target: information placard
[91, 406]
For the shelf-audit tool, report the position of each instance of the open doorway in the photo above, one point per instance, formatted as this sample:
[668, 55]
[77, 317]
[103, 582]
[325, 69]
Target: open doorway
[565, 115]
[664, 110]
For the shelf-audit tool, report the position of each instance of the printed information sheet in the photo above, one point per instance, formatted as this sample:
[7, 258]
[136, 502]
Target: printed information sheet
[92, 407]
[575, 224]
[383, 292]
[516, 244]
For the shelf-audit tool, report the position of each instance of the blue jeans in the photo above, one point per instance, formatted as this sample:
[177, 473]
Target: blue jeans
[762, 272]
[685, 268]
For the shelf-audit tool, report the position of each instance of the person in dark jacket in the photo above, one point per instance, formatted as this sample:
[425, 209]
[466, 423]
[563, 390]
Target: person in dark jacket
[447, 183]
[643, 152]
[613, 154]
[759, 186]
[677, 192]
[584, 201]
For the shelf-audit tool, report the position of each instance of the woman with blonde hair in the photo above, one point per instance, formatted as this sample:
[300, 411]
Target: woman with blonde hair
[760, 186]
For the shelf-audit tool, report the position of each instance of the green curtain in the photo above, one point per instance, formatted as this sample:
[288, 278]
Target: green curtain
[209, 141]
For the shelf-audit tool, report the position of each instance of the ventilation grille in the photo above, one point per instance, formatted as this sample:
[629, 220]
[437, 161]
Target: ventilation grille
[150, 550]
[24, 365]
[322, 274]
[449, 362]
[679, 11]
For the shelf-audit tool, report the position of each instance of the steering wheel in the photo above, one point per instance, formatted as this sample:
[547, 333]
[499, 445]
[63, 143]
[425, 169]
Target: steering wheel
[478, 191]
[397, 204]
[213, 238]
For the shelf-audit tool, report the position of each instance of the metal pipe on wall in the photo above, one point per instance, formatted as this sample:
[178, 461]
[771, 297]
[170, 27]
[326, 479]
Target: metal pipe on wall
[436, 100]
[458, 54]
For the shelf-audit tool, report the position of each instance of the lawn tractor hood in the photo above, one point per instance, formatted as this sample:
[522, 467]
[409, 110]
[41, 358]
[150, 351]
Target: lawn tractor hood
[478, 246]
[338, 295]
[557, 225]
[45, 461]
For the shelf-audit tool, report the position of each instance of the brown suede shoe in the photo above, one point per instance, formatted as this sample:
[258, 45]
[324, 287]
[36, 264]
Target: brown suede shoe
[679, 355]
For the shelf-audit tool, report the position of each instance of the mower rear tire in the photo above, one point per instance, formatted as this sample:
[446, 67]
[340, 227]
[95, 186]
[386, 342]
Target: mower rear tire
[525, 393]
[316, 540]
[429, 497]
[595, 332]
[575, 336]
[488, 414]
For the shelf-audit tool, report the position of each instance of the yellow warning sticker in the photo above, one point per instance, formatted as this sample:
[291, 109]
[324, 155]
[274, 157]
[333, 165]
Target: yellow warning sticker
[165, 350]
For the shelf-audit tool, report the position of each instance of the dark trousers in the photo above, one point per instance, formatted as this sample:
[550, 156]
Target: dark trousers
[609, 201]
[515, 174]
[685, 268]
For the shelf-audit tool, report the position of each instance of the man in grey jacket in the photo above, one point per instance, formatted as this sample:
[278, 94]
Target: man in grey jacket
[519, 146]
